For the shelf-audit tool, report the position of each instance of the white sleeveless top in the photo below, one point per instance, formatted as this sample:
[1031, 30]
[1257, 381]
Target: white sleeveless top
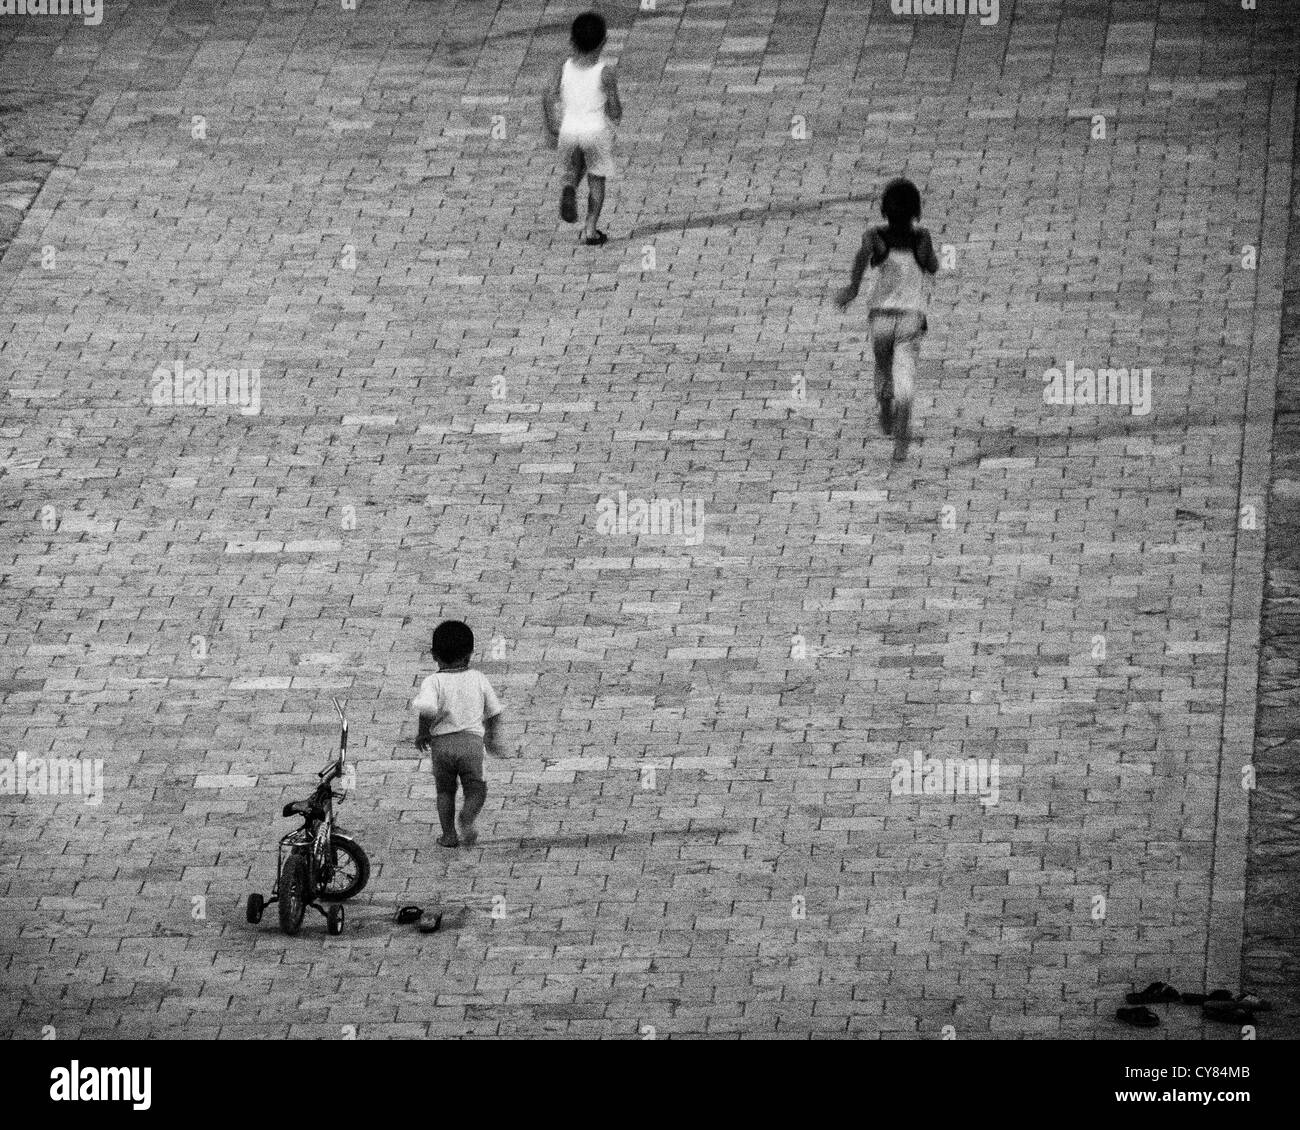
[582, 98]
[899, 283]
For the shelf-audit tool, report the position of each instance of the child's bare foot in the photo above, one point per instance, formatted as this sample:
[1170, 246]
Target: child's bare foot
[448, 841]
[468, 834]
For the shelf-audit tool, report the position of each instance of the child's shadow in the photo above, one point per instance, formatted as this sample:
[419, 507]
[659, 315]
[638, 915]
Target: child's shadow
[743, 215]
[1011, 443]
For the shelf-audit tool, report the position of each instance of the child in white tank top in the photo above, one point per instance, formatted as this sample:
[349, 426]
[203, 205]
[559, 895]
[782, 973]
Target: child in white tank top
[902, 253]
[581, 107]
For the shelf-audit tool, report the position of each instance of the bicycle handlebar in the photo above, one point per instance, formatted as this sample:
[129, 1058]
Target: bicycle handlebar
[335, 768]
[343, 728]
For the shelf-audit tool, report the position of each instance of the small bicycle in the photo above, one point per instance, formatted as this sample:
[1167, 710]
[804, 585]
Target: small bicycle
[317, 862]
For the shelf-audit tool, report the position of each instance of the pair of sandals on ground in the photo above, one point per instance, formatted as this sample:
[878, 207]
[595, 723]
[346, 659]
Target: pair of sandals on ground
[1219, 1005]
[431, 922]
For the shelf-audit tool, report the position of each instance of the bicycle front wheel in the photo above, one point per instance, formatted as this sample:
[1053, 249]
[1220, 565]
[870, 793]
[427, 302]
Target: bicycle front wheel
[351, 869]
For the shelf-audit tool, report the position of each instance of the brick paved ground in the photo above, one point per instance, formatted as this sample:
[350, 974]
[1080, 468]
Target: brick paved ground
[1271, 955]
[186, 586]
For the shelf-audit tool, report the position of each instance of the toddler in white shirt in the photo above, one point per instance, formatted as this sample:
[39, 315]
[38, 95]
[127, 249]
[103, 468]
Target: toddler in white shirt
[460, 715]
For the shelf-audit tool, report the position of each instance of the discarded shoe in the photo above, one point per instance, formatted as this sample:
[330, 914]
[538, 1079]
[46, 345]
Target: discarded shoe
[1227, 1012]
[1138, 1017]
[407, 914]
[1221, 1002]
[1155, 993]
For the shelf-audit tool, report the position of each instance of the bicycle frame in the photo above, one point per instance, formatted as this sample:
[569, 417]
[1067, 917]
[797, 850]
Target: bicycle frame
[315, 835]
[308, 857]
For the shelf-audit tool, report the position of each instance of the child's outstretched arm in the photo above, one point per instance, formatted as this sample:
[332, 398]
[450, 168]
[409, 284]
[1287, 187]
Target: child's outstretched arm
[551, 107]
[426, 733]
[613, 103]
[493, 738]
[860, 263]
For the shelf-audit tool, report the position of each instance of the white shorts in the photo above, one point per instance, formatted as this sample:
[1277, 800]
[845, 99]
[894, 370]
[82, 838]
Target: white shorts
[590, 153]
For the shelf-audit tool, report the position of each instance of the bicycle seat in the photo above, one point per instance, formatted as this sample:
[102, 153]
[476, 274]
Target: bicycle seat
[298, 808]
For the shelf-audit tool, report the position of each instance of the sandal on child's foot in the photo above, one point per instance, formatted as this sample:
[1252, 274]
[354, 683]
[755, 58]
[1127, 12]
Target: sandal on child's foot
[569, 204]
[448, 841]
[595, 240]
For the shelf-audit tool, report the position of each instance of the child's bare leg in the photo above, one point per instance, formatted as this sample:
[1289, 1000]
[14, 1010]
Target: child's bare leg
[595, 202]
[904, 370]
[907, 349]
[574, 170]
[447, 818]
[475, 795]
[882, 345]
[905, 354]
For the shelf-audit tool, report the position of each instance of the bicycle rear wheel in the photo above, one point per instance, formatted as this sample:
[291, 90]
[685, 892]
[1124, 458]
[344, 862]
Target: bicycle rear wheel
[293, 893]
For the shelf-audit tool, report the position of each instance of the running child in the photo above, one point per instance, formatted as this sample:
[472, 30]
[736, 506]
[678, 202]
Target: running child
[460, 714]
[581, 107]
[904, 254]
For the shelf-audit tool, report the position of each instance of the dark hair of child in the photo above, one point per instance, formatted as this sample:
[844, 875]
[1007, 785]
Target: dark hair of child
[453, 643]
[901, 203]
[588, 32]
